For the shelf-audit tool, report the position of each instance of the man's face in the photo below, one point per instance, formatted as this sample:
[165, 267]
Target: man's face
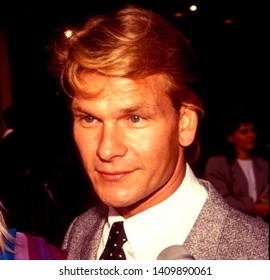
[127, 134]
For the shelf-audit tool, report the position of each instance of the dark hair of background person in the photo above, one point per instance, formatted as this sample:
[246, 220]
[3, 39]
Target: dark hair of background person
[230, 123]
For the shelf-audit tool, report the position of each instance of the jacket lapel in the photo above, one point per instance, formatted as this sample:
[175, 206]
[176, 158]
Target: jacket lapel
[203, 240]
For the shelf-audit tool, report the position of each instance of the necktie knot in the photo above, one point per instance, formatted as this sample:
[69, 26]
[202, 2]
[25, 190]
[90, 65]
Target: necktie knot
[114, 246]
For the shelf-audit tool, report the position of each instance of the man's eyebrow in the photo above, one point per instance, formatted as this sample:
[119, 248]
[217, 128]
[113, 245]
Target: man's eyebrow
[131, 109]
[139, 109]
[78, 108]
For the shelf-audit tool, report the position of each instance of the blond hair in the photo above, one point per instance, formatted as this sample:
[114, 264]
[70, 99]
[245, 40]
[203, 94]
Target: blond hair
[4, 234]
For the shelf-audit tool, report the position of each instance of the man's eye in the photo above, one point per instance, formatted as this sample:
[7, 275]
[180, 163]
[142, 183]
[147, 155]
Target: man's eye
[88, 119]
[135, 118]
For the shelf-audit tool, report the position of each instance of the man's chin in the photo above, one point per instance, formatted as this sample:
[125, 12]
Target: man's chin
[113, 199]
[117, 204]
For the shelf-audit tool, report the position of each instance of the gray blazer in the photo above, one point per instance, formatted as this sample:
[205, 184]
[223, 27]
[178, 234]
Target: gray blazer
[231, 183]
[220, 233]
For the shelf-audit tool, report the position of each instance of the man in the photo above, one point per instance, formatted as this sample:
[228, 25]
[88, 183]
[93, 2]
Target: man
[130, 79]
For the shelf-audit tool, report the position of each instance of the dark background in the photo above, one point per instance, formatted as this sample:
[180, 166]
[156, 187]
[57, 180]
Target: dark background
[232, 65]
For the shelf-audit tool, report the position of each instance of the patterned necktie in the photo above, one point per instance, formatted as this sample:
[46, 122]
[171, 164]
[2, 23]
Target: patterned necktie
[113, 249]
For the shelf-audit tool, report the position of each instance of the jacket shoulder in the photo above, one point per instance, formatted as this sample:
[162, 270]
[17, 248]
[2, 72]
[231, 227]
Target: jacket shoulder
[83, 235]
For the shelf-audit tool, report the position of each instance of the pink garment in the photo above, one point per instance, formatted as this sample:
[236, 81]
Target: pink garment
[21, 247]
[30, 247]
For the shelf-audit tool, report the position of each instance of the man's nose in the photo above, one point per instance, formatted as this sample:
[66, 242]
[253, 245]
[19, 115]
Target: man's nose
[111, 142]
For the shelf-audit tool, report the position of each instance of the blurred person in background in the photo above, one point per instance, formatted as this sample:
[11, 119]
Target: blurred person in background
[15, 245]
[238, 172]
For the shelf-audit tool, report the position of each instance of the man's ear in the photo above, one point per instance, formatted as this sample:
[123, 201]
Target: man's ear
[188, 123]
